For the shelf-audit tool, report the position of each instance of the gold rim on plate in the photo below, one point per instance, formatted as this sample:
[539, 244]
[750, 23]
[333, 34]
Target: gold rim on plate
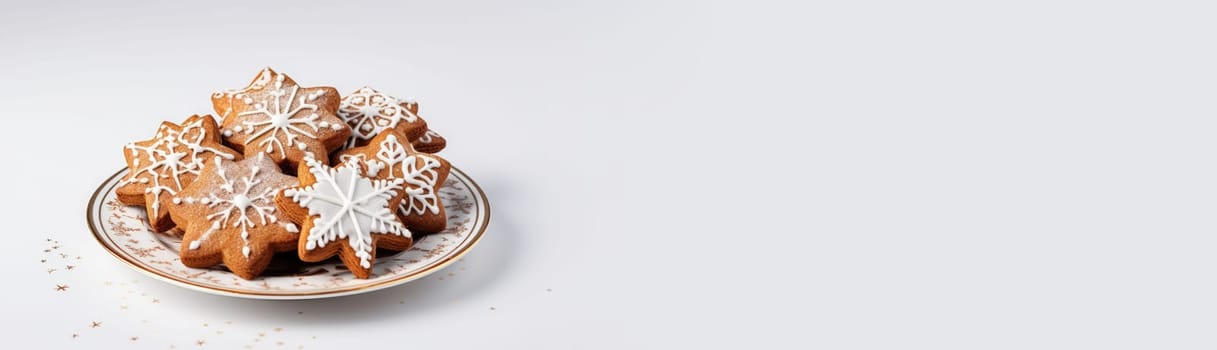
[481, 224]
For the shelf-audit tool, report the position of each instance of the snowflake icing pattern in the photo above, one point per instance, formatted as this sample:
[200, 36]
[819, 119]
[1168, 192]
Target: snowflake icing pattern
[347, 205]
[292, 116]
[239, 197]
[169, 164]
[370, 112]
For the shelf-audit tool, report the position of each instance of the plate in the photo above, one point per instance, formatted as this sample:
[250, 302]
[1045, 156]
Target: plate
[124, 232]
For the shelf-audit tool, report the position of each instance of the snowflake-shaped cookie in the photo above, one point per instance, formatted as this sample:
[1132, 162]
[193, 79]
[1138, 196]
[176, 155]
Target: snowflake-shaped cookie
[369, 112]
[230, 217]
[387, 156]
[342, 212]
[276, 116]
[163, 165]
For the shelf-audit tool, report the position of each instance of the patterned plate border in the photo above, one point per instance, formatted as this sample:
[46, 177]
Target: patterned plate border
[481, 221]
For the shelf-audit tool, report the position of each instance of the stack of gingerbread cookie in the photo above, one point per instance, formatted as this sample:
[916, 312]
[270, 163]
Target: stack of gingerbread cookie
[290, 168]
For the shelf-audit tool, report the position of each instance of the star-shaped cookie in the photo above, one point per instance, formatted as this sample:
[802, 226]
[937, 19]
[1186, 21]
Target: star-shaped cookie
[430, 142]
[387, 156]
[369, 112]
[163, 165]
[230, 216]
[342, 212]
[276, 116]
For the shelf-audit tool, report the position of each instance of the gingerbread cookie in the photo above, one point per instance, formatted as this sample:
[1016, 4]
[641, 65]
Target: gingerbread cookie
[430, 142]
[341, 212]
[276, 116]
[388, 157]
[163, 165]
[230, 216]
[369, 112]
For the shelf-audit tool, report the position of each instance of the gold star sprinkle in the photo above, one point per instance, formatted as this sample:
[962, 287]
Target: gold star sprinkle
[74, 335]
[43, 261]
[49, 271]
[69, 267]
[156, 301]
[134, 338]
[200, 342]
[95, 324]
[61, 287]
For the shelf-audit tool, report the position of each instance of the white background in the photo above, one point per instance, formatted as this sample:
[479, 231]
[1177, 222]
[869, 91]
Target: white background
[705, 174]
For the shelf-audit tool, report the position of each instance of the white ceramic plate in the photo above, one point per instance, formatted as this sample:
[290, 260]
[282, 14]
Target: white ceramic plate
[124, 232]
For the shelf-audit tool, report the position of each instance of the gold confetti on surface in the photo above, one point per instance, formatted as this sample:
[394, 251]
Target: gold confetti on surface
[61, 287]
[95, 324]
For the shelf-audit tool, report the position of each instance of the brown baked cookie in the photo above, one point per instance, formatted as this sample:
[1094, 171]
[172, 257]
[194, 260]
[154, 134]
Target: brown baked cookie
[388, 157]
[230, 216]
[276, 116]
[163, 165]
[369, 112]
[430, 142]
[341, 204]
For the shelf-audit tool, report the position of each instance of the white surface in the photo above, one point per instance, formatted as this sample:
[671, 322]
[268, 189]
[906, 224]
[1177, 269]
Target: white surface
[862, 175]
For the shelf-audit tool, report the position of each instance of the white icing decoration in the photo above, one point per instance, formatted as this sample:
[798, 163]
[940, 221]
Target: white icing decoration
[426, 138]
[420, 194]
[284, 112]
[237, 196]
[167, 163]
[347, 205]
[370, 112]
